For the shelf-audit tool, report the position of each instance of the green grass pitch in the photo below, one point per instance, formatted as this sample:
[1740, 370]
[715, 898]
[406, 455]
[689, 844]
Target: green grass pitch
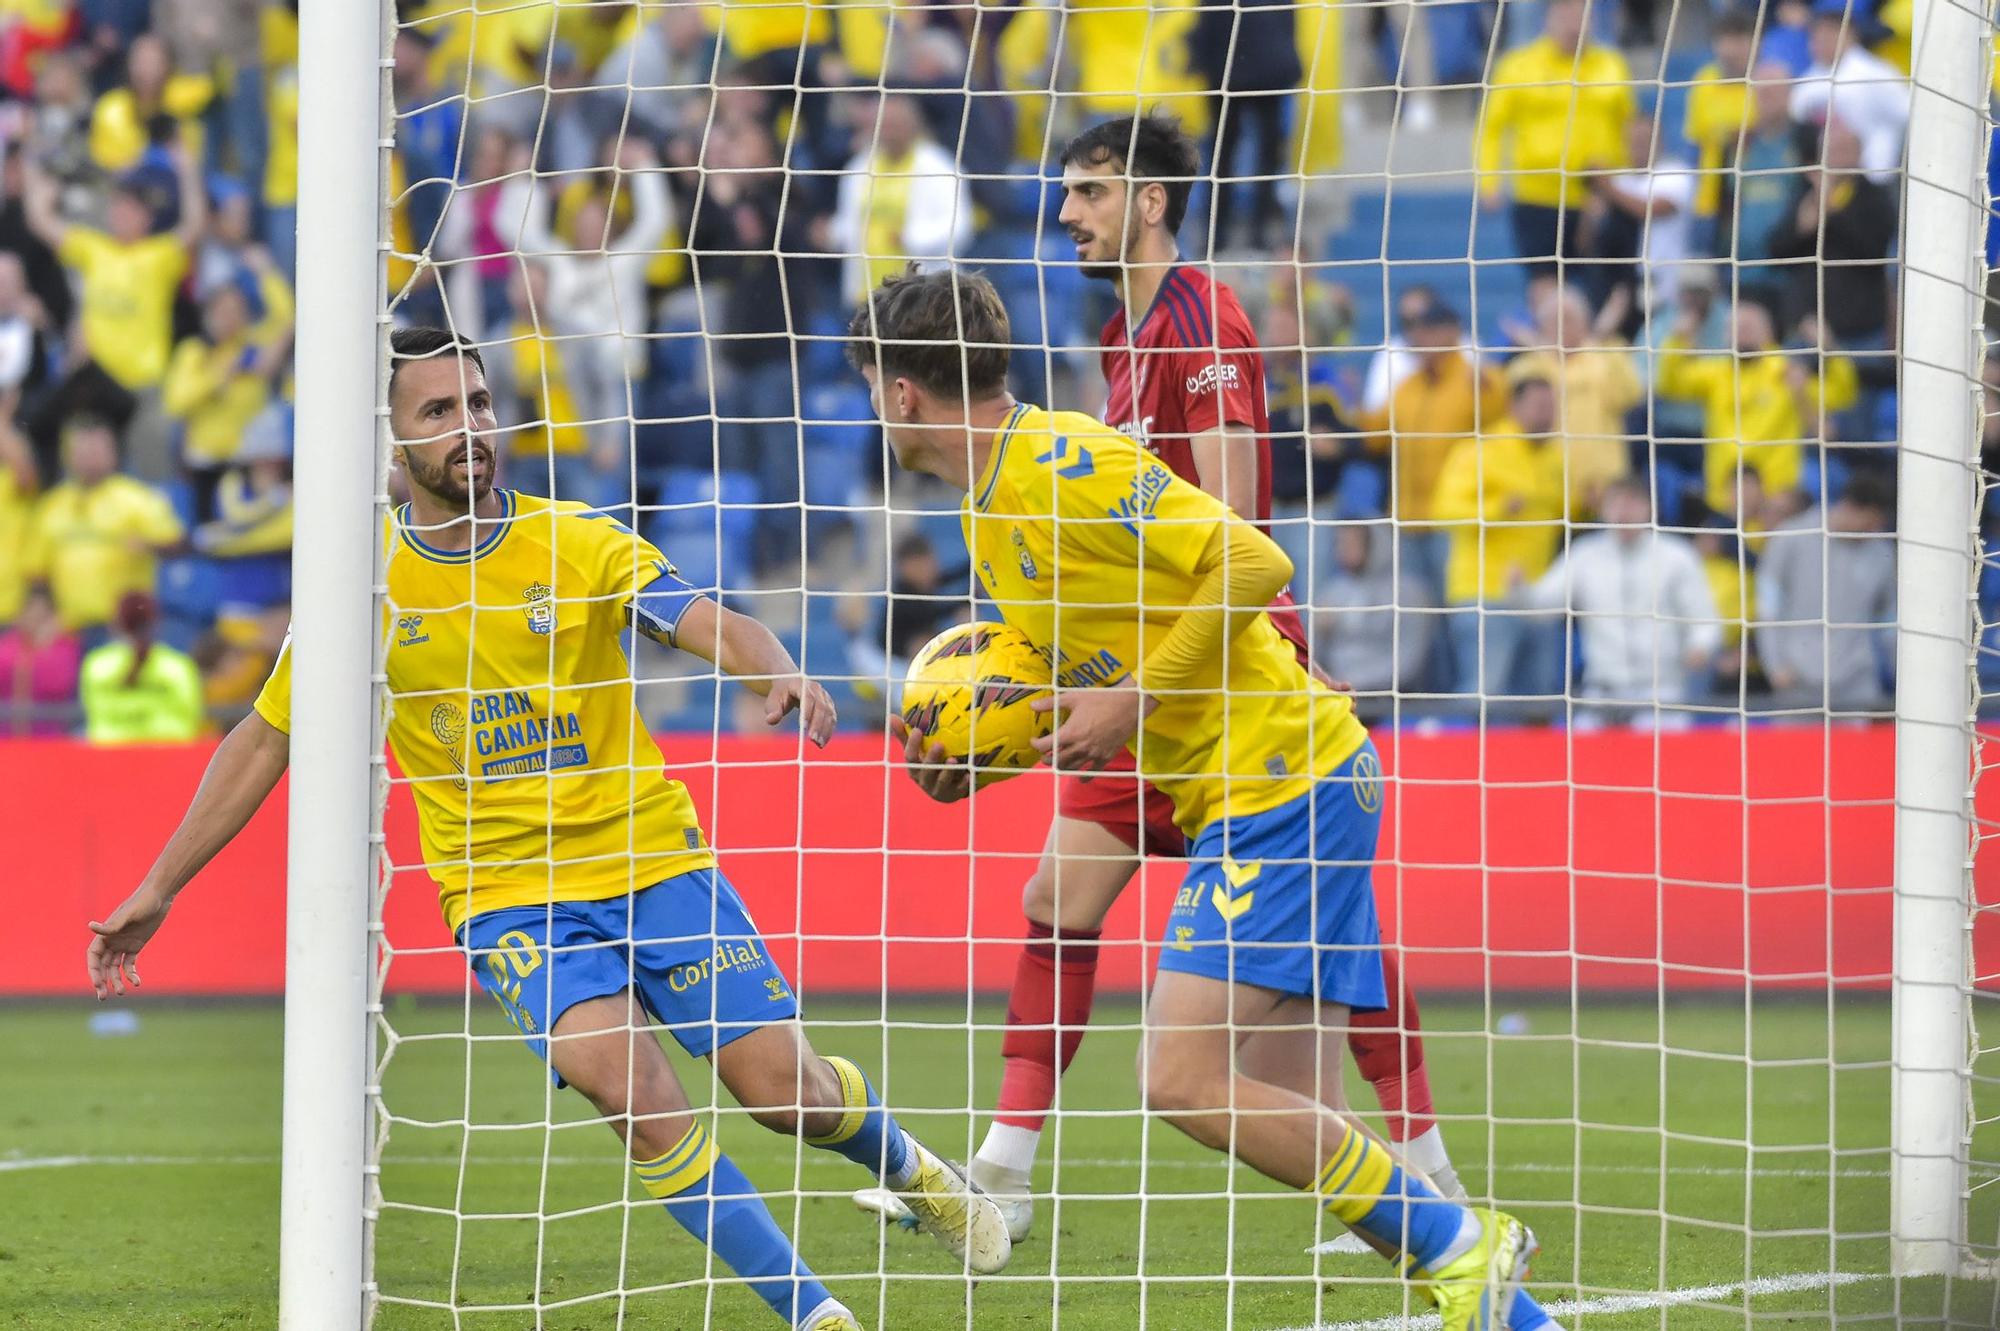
[1707, 1147]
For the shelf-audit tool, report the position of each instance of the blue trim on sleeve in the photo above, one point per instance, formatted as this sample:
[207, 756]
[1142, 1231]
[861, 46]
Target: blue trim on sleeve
[657, 613]
[597, 515]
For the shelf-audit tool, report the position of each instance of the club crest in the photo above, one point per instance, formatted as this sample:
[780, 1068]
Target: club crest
[1028, 569]
[541, 608]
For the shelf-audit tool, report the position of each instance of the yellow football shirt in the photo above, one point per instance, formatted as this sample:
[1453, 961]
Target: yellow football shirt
[541, 371]
[1091, 546]
[17, 510]
[1550, 119]
[885, 211]
[94, 545]
[512, 716]
[128, 301]
[215, 394]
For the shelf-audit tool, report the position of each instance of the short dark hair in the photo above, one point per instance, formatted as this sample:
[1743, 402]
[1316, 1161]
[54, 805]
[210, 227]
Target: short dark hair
[1436, 314]
[947, 331]
[1151, 149]
[1636, 486]
[88, 420]
[1423, 291]
[1734, 23]
[423, 342]
[1865, 489]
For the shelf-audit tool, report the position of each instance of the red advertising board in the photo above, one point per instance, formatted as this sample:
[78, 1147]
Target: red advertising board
[1614, 860]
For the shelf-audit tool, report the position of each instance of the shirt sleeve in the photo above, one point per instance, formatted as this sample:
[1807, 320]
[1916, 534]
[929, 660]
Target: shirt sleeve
[1129, 508]
[168, 260]
[656, 607]
[626, 567]
[80, 247]
[274, 700]
[155, 519]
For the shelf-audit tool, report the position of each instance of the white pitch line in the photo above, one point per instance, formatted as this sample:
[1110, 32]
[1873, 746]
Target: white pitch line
[1632, 1303]
[12, 1164]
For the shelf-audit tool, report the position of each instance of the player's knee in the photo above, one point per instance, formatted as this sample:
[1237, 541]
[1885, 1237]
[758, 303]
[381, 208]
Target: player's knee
[1038, 897]
[610, 1097]
[621, 1089]
[1075, 898]
[1174, 1085]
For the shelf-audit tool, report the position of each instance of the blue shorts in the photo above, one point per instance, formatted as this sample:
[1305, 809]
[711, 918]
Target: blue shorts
[1285, 899]
[686, 946]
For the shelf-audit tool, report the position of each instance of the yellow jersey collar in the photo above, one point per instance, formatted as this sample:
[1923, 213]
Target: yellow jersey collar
[982, 491]
[484, 545]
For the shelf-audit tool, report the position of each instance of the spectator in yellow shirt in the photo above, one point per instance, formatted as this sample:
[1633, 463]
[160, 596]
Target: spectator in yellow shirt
[120, 123]
[280, 185]
[218, 381]
[901, 198]
[1446, 398]
[1556, 109]
[1718, 106]
[1503, 495]
[98, 534]
[128, 274]
[551, 455]
[1761, 405]
[1597, 383]
[1732, 581]
[18, 484]
[135, 690]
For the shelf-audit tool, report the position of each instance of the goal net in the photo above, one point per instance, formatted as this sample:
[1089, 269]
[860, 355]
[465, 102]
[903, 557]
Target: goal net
[1615, 373]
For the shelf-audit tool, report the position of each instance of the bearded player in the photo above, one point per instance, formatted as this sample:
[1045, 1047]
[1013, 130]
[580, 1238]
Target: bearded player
[1189, 385]
[571, 869]
[1149, 599]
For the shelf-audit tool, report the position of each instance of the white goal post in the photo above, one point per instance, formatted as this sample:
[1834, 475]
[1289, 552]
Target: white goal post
[1938, 535]
[339, 781]
[337, 768]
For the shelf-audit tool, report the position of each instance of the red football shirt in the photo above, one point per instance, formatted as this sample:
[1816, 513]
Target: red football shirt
[1194, 366]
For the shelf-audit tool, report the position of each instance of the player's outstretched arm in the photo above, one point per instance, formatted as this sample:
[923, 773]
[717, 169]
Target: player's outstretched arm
[741, 647]
[246, 766]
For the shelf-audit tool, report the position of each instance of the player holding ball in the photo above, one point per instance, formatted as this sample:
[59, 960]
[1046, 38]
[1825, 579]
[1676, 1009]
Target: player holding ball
[1185, 378]
[1162, 647]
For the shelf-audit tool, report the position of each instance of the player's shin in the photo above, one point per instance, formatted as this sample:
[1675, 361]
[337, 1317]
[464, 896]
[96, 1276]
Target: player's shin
[1388, 1050]
[868, 1133]
[1055, 983]
[709, 1197]
[1364, 1187]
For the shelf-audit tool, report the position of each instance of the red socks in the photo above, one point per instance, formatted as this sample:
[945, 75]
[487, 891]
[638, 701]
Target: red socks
[1389, 1050]
[1054, 983]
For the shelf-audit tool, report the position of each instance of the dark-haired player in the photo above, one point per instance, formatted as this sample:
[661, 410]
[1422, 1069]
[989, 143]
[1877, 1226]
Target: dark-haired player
[1186, 379]
[570, 867]
[1150, 599]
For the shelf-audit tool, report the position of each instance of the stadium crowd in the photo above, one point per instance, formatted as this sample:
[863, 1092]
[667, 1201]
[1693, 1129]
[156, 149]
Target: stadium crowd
[1650, 473]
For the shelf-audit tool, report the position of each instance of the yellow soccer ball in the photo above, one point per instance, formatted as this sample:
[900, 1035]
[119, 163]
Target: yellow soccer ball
[972, 689]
